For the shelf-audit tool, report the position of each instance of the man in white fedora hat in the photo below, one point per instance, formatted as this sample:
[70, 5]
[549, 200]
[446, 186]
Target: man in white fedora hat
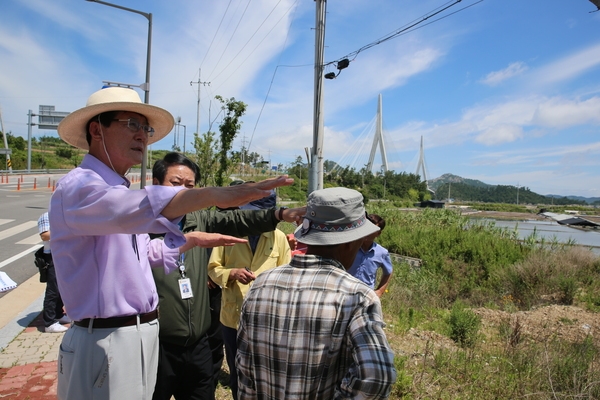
[310, 330]
[103, 254]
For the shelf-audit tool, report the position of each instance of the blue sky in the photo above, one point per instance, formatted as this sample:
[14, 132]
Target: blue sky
[505, 91]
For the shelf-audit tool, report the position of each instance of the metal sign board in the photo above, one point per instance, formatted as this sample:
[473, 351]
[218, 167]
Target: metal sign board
[48, 118]
[5, 151]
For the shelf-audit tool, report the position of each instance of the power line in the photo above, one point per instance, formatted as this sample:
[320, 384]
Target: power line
[216, 32]
[250, 38]
[230, 39]
[272, 78]
[411, 26]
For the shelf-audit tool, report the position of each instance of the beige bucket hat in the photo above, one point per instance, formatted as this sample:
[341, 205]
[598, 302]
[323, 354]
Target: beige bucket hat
[72, 129]
[334, 216]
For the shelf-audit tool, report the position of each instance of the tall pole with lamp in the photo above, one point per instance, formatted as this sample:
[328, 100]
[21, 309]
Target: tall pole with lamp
[146, 85]
[315, 176]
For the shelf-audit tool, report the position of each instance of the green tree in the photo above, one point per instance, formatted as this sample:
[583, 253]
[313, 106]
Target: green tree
[206, 157]
[228, 128]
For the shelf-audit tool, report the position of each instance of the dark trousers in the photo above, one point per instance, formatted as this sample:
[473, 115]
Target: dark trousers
[230, 339]
[184, 372]
[53, 305]
[214, 333]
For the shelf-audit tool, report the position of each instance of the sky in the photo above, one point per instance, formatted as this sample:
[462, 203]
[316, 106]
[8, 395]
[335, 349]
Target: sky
[503, 91]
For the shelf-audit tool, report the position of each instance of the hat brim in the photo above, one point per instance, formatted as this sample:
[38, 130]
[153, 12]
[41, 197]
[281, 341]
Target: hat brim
[322, 238]
[72, 129]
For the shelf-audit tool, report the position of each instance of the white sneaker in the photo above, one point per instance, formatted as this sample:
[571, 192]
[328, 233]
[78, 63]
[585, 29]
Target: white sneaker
[56, 328]
[65, 319]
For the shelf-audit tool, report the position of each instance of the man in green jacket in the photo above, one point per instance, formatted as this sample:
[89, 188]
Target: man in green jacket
[185, 368]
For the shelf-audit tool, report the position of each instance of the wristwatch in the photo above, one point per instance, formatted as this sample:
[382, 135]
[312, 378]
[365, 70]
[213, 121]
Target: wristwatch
[280, 215]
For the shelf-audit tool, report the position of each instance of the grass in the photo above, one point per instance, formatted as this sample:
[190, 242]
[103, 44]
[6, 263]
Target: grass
[469, 266]
[445, 351]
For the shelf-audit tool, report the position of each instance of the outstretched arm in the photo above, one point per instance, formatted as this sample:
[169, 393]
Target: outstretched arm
[291, 214]
[203, 239]
[190, 200]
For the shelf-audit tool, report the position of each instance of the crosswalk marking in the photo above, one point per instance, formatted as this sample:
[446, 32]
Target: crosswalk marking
[33, 239]
[17, 229]
[5, 221]
[20, 255]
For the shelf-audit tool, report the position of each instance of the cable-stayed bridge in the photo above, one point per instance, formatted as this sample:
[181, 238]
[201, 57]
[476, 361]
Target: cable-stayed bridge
[355, 157]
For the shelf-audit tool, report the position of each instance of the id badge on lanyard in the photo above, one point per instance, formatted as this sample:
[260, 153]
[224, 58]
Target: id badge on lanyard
[185, 286]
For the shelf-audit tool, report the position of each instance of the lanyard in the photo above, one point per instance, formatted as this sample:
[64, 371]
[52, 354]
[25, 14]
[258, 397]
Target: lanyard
[181, 265]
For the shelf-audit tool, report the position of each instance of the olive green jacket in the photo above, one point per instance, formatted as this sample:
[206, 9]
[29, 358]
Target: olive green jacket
[183, 322]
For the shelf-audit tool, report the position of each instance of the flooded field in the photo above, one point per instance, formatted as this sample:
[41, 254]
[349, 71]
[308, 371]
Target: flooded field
[551, 230]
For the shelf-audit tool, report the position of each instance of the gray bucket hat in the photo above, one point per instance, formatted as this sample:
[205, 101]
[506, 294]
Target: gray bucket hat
[334, 216]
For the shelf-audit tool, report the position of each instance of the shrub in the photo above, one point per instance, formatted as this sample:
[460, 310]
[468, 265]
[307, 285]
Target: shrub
[464, 325]
[64, 152]
[568, 287]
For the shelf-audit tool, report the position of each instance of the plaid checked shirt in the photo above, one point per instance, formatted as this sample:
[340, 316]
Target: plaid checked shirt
[309, 330]
[43, 223]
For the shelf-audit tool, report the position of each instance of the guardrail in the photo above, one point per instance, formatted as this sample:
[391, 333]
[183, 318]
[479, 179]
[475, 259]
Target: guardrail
[35, 179]
[34, 171]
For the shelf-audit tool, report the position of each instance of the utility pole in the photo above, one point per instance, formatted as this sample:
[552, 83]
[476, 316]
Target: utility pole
[244, 151]
[315, 177]
[199, 83]
[8, 162]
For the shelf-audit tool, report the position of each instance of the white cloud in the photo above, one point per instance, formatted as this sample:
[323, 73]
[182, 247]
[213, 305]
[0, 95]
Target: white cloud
[559, 112]
[569, 67]
[500, 133]
[497, 77]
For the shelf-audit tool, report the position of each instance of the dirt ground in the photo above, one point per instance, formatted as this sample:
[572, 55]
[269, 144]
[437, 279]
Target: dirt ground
[568, 323]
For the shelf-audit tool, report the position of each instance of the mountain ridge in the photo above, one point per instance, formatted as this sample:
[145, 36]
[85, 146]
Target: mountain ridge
[449, 178]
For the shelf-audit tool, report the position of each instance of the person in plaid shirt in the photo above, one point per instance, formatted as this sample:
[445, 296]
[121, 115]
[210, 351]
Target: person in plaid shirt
[310, 330]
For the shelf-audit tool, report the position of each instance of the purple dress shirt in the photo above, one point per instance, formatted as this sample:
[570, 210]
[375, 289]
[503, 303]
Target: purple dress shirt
[100, 244]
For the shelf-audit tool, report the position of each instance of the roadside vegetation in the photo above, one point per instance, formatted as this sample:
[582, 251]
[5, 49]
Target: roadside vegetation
[467, 267]
[445, 349]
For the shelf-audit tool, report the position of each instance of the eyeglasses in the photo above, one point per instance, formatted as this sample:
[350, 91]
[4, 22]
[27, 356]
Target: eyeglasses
[134, 126]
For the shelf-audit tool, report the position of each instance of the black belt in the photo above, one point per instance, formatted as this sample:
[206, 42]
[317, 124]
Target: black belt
[117, 322]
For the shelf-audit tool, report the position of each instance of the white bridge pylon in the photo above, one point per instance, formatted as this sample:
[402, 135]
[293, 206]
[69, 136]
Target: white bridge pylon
[421, 168]
[378, 140]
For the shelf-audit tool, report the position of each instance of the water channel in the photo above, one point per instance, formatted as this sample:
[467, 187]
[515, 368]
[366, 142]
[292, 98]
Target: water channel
[551, 230]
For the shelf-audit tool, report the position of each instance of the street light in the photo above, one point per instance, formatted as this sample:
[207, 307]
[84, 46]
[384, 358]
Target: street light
[184, 130]
[178, 124]
[146, 86]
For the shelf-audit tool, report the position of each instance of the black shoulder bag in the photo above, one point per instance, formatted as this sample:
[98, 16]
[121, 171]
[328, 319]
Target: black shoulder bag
[41, 264]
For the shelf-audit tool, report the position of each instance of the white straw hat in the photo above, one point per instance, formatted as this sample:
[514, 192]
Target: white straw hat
[334, 216]
[72, 129]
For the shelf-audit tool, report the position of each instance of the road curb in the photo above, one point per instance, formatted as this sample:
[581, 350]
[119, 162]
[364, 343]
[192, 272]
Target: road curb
[19, 309]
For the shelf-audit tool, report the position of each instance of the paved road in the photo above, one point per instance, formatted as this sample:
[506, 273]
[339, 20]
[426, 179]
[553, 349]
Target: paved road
[23, 198]
[20, 208]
